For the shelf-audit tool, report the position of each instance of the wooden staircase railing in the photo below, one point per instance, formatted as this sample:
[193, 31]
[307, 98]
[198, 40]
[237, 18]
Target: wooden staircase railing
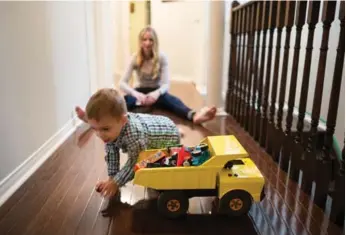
[259, 75]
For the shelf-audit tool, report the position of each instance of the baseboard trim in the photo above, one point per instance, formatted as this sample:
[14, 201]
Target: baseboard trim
[221, 112]
[10, 184]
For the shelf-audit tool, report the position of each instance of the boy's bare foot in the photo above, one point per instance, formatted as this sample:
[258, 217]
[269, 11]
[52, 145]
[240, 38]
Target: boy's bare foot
[81, 114]
[205, 114]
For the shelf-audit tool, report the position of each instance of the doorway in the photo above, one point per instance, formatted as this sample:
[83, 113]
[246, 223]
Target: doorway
[139, 18]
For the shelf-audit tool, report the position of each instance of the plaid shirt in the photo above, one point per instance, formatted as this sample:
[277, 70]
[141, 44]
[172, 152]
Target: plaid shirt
[142, 131]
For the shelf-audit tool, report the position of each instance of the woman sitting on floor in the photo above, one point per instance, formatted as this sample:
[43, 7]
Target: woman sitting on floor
[151, 67]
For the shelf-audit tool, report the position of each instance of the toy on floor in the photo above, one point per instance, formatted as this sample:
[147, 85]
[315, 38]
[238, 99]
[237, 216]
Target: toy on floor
[219, 166]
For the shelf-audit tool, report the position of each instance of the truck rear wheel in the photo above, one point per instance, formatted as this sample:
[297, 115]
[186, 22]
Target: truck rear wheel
[235, 203]
[173, 204]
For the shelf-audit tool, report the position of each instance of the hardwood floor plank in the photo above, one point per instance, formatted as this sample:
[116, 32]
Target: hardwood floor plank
[75, 212]
[195, 206]
[37, 180]
[138, 193]
[32, 183]
[101, 224]
[260, 221]
[32, 202]
[92, 209]
[47, 210]
[207, 204]
[66, 192]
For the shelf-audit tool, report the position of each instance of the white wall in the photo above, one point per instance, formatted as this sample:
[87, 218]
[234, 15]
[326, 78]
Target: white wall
[215, 52]
[227, 47]
[121, 27]
[44, 73]
[50, 55]
[182, 28]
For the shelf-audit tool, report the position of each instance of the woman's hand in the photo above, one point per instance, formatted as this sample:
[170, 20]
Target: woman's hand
[140, 97]
[152, 97]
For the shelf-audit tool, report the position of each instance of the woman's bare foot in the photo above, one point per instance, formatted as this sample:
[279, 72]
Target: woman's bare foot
[204, 115]
[81, 114]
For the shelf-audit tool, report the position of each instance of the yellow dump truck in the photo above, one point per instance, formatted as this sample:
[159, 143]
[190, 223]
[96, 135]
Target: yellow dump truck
[228, 174]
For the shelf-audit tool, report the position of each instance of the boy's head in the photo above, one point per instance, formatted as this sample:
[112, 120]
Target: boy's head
[107, 113]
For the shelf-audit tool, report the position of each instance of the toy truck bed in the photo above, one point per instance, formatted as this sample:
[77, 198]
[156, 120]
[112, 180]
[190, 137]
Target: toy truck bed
[244, 174]
[222, 149]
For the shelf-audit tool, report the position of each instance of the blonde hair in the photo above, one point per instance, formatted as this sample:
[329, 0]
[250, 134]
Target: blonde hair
[105, 102]
[140, 56]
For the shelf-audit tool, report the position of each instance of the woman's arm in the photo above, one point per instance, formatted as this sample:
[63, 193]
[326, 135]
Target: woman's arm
[163, 82]
[164, 86]
[124, 81]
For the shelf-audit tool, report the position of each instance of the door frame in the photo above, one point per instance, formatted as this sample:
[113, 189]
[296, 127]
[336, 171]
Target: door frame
[107, 35]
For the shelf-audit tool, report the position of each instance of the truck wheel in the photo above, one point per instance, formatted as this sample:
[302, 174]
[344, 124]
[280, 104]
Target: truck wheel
[235, 203]
[173, 204]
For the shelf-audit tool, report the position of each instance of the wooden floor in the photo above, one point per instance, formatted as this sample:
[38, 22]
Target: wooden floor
[60, 198]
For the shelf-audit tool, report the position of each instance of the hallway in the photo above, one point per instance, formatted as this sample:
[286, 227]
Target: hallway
[287, 111]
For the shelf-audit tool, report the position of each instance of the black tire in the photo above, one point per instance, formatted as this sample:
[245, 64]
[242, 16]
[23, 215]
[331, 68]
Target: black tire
[235, 203]
[173, 204]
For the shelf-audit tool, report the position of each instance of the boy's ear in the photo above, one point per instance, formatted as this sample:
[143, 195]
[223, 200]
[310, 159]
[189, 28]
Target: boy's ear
[124, 119]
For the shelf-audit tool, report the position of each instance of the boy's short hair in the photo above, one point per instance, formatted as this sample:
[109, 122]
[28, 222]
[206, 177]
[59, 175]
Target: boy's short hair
[105, 102]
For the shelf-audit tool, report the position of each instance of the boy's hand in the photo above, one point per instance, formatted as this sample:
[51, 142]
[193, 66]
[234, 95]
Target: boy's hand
[99, 186]
[108, 188]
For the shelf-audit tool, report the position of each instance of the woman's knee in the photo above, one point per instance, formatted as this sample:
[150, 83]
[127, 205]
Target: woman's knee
[173, 104]
[168, 98]
[130, 101]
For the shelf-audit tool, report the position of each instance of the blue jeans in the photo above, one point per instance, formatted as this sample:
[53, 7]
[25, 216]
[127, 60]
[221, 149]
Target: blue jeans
[165, 101]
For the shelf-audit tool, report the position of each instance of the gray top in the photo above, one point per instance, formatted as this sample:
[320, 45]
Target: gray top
[145, 75]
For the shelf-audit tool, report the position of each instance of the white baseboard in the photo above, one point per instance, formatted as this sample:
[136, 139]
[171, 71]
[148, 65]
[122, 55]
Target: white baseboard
[202, 90]
[19, 175]
[221, 112]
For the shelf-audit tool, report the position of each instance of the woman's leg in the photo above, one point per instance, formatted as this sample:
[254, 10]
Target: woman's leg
[130, 102]
[175, 105]
[169, 102]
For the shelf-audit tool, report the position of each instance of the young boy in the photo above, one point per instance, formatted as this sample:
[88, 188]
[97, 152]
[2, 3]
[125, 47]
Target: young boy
[107, 114]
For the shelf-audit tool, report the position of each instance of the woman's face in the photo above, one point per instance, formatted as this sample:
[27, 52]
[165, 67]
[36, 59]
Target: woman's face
[147, 43]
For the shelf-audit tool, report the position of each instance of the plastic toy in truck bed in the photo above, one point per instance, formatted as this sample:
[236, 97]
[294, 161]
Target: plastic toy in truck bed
[219, 166]
[176, 156]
